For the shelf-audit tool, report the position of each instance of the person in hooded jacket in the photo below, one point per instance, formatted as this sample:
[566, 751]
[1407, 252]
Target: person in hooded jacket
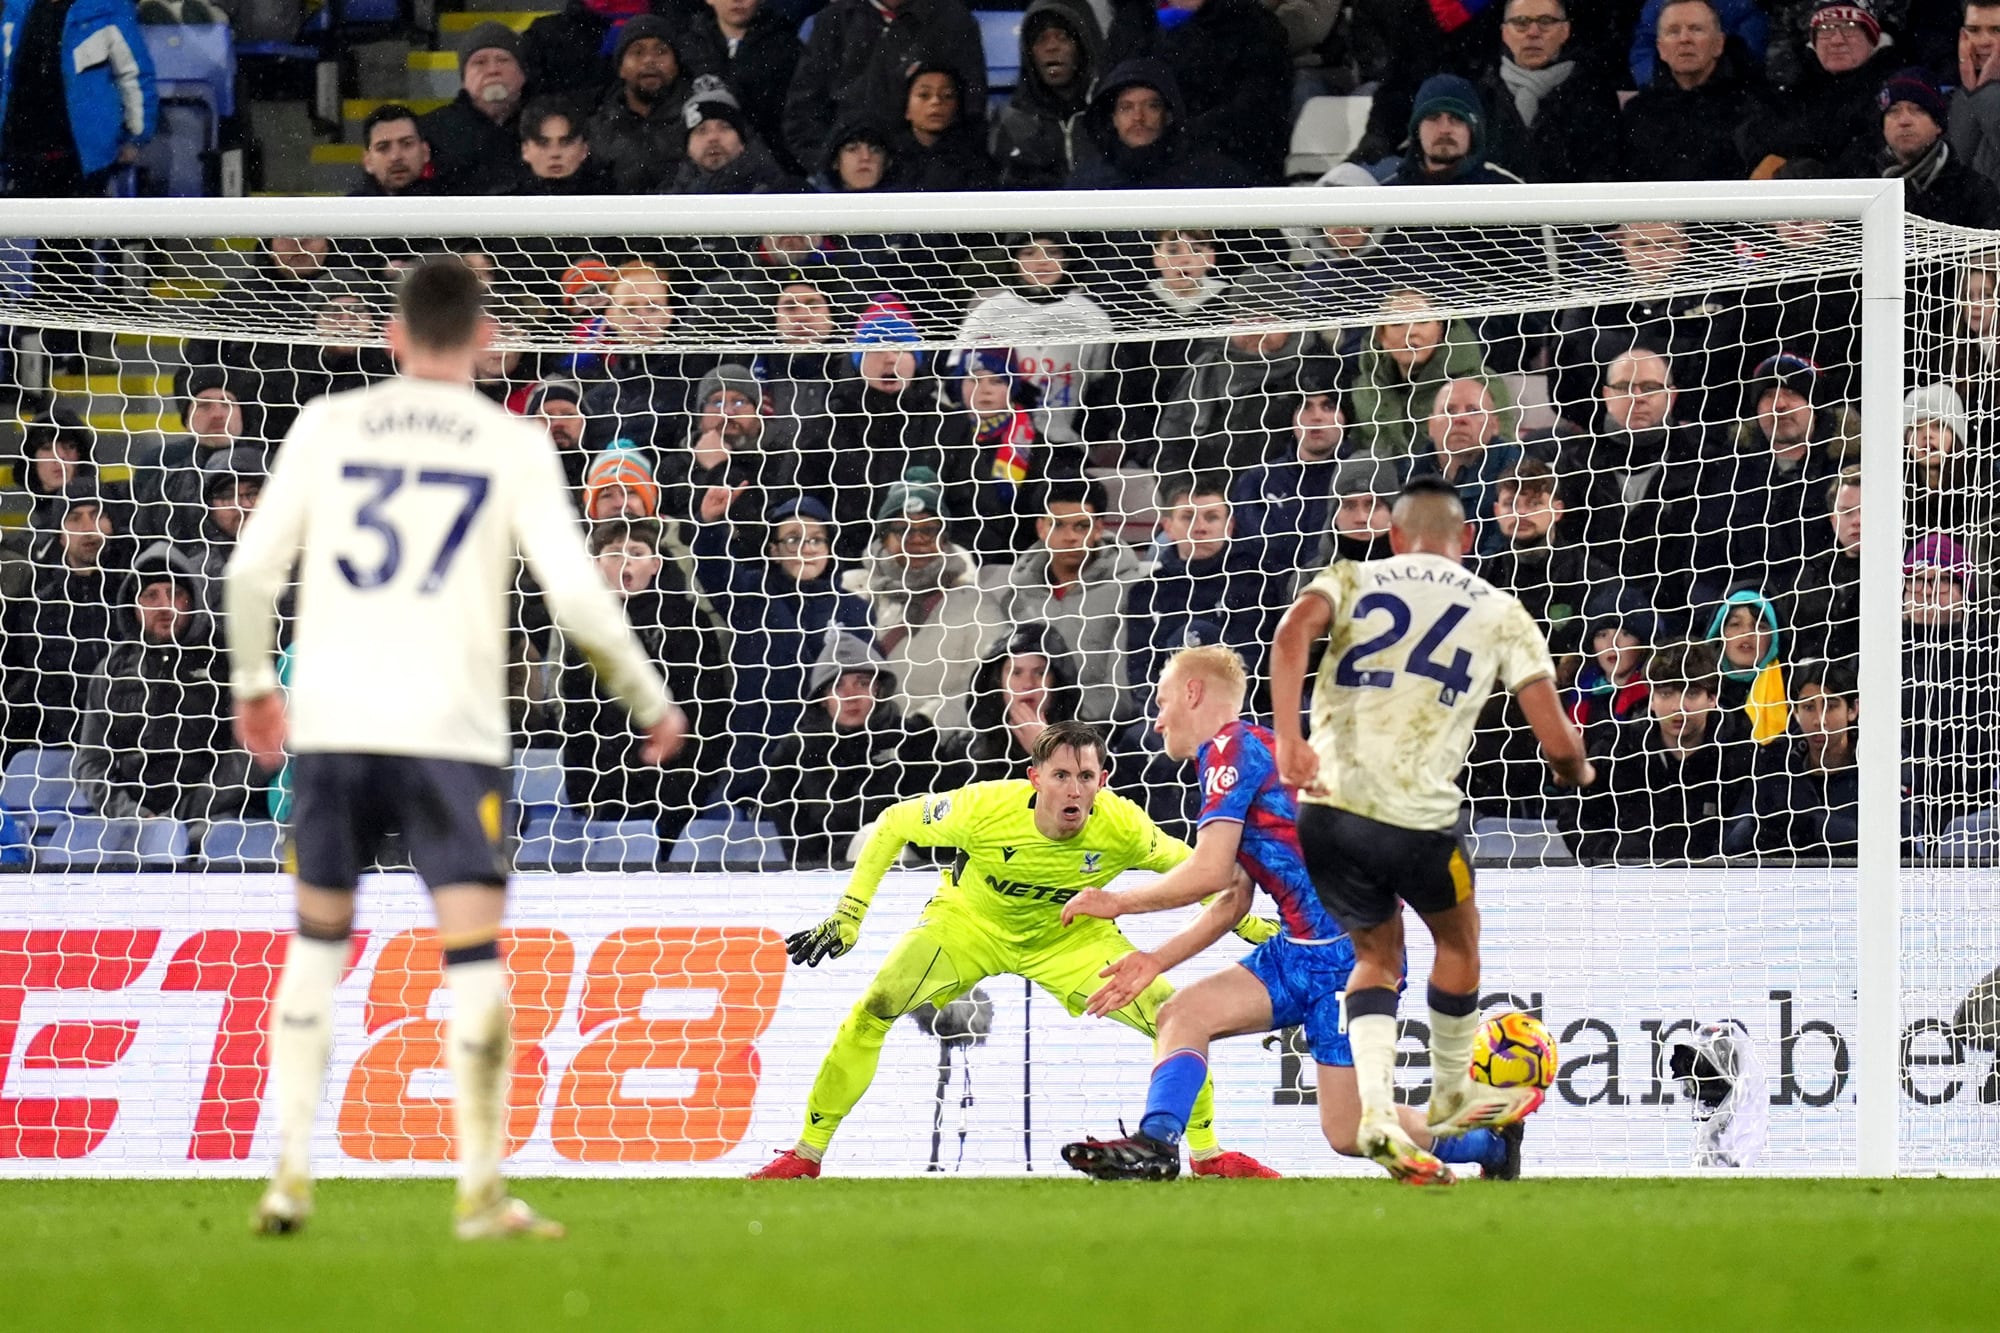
[755, 50]
[941, 145]
[860, 159]
[779, 605]
[1023, 685]
[1684, 125]
[155, 738]
[637, 131]
[853, 754]
[603, 773]
[1804, 793]
[1061, 53]
[231, 482]
[1136, 130]
[58, 635]
[1234, 70]
[853, 67]
[1748, 644]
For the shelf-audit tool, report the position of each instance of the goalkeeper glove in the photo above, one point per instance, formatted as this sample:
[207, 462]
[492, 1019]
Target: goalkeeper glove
[830, 938]
[1255, 929]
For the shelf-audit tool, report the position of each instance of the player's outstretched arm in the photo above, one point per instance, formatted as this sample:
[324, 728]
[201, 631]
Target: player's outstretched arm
[1134, 972]
[1303, 623]
[1561, 742]
[1207, 870]
[900, 825]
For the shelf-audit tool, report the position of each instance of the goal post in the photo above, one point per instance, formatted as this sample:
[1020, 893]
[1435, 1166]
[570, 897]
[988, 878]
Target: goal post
[1511, 263]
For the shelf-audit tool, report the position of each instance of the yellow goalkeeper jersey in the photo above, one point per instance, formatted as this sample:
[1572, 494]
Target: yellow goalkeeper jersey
[1006, 871]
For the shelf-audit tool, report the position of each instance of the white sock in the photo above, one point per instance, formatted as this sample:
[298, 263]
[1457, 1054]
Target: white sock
[1451, 1047]
[301, 1040]
[476, 1051]
[1372, 1038]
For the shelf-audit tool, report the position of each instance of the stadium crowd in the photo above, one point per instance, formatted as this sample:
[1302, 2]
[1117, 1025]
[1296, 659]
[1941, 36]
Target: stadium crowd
[874, 572]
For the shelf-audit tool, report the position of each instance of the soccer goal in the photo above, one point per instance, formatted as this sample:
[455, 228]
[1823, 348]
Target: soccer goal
[890, 484]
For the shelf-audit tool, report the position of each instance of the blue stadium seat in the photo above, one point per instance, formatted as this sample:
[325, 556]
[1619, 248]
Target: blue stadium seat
[354, 14]
[537, 786]
[88, 842]
[1529, 840]
[162, 844]
[1970, 836]
[238, 844]
[629, 844]
[194, 72]
[550, 843]
[1000, 36]
[40, 780]
[723, 835]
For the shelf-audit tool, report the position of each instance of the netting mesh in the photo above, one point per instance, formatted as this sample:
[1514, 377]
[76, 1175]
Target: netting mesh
[882, 507]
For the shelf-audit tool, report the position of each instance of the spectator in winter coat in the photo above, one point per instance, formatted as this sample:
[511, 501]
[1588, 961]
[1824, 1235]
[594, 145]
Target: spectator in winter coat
[166, 480]
[1133, 378]
[1406, 359]
[780, 607]
[556, 406]
[724, 154]
[754, 50]
[1946, 479]
[58, 635]
[556, 156]
[76, 90]
[941, 144]
[475, 146]
[1611, 687]
[395, 159]
[725, 469]
[1833, 115]
[853, 64]
[1562, 581]
[853, 754]
[859, 160]
[1284, 505]
[798, 377]
[1951, 741]
[603, 773]
[987, 479]
[57, 465]
[1234, 71]
[1463, 444]
[1023, 686]
[619, 484]
[1061, 53]
[1748, 643]
[1936, 184]
[1075, 581]
[1198, 587]
[1744, 24]
[1825, 606]
[1136, 128]
[564, 53]
[1222, 412]
[643, 396]
[1366, 490]
[1049, 324]
[1448, 138]
[637, 131]
[1975, 103]
[1548, 116]
[154, 740]
[231, 483]
[1683, 126]
[924, 605]
[1805, 789]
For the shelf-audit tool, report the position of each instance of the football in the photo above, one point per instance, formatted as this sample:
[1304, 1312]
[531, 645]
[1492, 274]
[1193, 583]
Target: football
[1514, 1050]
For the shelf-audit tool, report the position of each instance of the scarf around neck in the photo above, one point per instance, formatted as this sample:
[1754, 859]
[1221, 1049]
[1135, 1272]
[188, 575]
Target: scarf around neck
[1530, 86]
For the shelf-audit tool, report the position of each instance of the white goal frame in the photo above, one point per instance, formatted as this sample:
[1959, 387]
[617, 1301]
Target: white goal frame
[1877, 205]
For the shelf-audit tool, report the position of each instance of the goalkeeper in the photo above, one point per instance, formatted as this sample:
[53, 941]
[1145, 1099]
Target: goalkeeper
[1024, 849]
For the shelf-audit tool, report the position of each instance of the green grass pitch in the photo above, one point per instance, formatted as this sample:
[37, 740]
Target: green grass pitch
[945, 1255]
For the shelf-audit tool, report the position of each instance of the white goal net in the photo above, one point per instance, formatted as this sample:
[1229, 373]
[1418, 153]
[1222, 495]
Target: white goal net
[888, 490]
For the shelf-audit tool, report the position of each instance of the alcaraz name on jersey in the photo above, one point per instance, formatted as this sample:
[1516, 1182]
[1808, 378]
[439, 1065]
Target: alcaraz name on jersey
[1240, 785]
[1006, 870]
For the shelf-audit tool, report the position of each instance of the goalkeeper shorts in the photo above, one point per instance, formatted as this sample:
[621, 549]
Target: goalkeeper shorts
[1308, 986]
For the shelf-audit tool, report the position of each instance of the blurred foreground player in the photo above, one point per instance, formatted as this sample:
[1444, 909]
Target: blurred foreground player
[1415, 645]
[404, 506]
[1249, 824]
[1025, 848]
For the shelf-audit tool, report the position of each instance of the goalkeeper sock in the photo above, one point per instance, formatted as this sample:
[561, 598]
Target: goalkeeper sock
[301, 1039]
[1371, 1035]
[476, 1046]
[1454, 1021]
[844, 1075]
[1177, 1081]
[1480, 1147]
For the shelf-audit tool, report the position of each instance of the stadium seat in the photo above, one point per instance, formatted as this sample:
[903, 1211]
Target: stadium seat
[1325, 133]
[550, 842]
[238, 844]
[1517, 840]
[537, 786]
[194, 72]
[1000, 36]
[726, 836]
[88, 842]
[162, 844]
[628, 844]
[37, 780]
[1971, 836]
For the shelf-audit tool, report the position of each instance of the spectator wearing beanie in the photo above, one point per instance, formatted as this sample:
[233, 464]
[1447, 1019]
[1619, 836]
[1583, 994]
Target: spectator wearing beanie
[637, 130]
[725, 470]
[1975, 103]
[565, 53]
[1936, 185]
[556, 405]
[1683, 125]
[1062, 48]
[1833, 115]
[853, 65]
[1951, 744]
[942, 143]
[753, 49]
[1448, 138]
[1548, 116]
[859, 160]
[724, 154]
[619, 483]
[166, 487]
[475, 142]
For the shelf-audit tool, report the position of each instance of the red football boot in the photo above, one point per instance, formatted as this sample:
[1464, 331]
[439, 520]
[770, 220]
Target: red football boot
[787, 1165]
[1233, 1166]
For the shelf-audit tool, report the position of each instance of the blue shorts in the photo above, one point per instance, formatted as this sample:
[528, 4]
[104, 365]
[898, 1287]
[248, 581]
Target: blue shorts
[1307, 983]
